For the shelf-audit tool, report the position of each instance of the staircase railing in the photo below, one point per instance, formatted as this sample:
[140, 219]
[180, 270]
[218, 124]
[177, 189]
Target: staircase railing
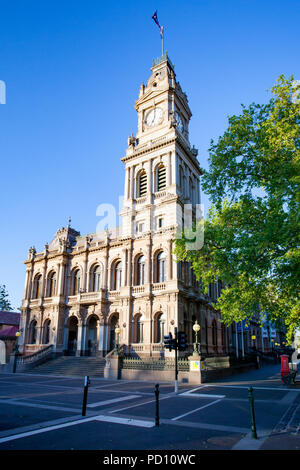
[31, 360]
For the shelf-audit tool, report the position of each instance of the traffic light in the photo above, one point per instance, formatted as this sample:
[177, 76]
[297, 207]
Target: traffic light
[169, 342]
[182, 341]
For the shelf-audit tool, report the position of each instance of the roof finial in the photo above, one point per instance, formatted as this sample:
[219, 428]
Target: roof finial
[69, 222]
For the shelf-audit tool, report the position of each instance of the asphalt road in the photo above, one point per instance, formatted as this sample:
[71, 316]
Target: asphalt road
[39, 412]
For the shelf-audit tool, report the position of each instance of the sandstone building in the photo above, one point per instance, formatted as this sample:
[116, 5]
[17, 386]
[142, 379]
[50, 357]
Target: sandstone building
[81, 287]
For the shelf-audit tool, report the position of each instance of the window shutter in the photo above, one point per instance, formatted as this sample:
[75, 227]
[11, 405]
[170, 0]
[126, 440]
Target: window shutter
[161, 178]
[143, 184]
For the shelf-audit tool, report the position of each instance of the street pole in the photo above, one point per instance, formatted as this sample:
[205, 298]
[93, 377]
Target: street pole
[176, 360]
[85, 393]
[16, 352]
[253, 424]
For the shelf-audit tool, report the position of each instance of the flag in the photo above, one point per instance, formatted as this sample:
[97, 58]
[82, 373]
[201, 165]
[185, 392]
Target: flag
[154, 17]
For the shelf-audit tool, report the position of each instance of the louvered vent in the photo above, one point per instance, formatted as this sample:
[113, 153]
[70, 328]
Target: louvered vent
[161, 178]
[143, 184]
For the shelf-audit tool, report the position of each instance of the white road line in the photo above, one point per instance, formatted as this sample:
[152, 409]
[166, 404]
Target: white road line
[40, 431]
[37, 405]
[193, 390]
[110, 419]
[197, 409]
[273, 389]
[139, 404]
[202, 395]
[114, 400]
[130, 422]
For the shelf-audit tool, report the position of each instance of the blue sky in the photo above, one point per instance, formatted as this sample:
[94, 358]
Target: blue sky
[72, 71]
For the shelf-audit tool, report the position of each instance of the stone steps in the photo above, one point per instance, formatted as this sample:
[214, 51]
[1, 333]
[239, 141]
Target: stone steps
[73, 366]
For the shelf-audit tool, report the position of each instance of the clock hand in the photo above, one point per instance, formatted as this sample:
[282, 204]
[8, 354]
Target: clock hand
[153, 116]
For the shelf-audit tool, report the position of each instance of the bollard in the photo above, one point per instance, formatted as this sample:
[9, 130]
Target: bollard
[253, 425]
[157, 405]
[85, 393]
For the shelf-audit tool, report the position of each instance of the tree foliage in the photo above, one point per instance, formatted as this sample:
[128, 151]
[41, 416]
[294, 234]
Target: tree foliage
[252, 228]
[4, 300]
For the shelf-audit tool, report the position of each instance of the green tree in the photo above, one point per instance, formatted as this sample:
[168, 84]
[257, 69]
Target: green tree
[4, 300]
[251, 233]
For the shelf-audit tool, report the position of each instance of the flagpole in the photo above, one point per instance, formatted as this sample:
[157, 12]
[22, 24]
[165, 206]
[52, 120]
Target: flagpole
[162, 40]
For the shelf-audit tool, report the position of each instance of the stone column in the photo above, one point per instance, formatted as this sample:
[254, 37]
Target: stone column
[149, 181]
[101, 338]
[79, 337]
[149, 263]
[83, 339]
[174, 170]
[106, 286]
[124, 267]
[169, 170]
[129, 257]
[44, 281]
[27, 281]
[170, 260]
[132, 182]
[126, 189]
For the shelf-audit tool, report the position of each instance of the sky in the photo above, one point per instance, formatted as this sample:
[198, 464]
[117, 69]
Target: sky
[72, 72]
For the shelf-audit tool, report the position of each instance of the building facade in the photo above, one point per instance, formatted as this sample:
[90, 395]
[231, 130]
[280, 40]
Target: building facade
[81, 287]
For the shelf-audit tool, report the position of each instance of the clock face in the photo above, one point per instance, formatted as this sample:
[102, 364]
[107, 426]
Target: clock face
[179, 121]
[154, 117]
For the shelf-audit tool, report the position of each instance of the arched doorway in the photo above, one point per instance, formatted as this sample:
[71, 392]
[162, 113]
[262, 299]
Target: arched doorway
[91, 336]
[46, 332]
[112, 338]
[160, 328]
[33, 332]
[72, 338]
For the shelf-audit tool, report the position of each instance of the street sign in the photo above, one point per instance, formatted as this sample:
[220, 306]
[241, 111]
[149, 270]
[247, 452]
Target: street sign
[194, 366]
[243, 325]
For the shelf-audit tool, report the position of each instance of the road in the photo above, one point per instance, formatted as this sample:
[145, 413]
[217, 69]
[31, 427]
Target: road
[44, 413]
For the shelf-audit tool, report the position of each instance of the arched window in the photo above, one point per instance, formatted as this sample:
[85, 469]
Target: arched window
[214, 332]
[223, 334]
[140, 271]
[37, 290]
[52, 284]
[76, 282]
[139, 329]
[46, 332]
[95, 285]
[160, 327]
[117, 276]
[161, 178]
[161, 267]
[32, 332]
[142, 183]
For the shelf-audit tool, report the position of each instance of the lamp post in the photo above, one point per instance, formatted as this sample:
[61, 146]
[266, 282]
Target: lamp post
[117, 331]
[196, 328]
[16, 351]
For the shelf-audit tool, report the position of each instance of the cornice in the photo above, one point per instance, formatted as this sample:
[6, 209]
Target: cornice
[148, 149]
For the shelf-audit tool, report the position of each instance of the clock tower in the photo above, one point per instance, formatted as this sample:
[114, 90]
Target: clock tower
[161, 169]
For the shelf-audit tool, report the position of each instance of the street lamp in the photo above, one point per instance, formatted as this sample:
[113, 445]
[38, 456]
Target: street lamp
[196, 328]
[117, 331]
[16, 351]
